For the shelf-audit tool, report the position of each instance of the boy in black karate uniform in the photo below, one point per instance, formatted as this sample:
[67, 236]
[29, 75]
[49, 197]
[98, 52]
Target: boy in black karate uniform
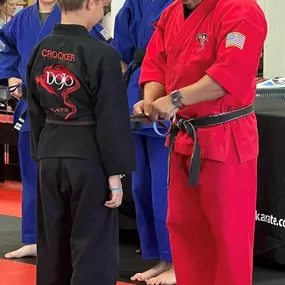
[82, 140]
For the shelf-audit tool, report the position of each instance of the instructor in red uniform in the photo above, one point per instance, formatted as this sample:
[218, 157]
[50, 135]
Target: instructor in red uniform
[204, 56]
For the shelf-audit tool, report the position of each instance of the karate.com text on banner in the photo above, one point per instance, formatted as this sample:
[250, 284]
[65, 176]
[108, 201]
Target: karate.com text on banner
[269, 219]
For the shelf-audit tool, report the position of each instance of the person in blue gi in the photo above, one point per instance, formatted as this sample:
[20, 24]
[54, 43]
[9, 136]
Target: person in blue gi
[134, 26]
[25, 30]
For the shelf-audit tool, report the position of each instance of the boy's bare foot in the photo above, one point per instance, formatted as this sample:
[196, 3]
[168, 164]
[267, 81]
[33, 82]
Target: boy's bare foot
[25, 251]
[166, 278]
[153, 272]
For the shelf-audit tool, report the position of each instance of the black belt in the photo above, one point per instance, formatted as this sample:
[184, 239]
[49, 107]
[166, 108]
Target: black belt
[19, 124]
[70, 123]
[138, 57]
[21, 121]
[191, 125]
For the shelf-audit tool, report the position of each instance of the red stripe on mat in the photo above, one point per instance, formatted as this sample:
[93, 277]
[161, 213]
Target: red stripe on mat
[6, 119]
[16, 273]
[10, 199]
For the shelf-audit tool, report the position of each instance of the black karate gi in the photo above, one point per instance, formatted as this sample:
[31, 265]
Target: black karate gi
[80, 135]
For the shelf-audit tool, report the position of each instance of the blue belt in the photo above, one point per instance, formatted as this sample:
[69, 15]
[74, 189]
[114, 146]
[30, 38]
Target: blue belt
[138, 120]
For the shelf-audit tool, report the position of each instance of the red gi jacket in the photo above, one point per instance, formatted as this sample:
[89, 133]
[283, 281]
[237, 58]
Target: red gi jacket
[221, 38]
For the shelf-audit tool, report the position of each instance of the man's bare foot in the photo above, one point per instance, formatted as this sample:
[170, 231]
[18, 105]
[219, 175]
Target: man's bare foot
[25, 251]
[166, 278]
[153, 272]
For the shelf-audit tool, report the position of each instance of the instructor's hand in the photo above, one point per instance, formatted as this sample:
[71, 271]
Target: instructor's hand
[116, 189]
[162, 109]
[142, 107]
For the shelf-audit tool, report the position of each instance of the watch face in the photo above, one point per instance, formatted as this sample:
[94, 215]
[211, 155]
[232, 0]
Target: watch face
[177, 99]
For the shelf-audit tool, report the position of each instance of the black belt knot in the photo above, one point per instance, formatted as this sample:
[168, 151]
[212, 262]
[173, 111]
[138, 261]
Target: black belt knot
[186, 125]
[190, 126]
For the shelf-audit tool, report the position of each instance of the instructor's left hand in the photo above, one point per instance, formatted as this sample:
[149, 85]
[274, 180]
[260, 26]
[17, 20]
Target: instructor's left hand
[162, 109]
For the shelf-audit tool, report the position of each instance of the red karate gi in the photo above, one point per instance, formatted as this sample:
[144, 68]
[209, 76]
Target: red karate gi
[212, 225]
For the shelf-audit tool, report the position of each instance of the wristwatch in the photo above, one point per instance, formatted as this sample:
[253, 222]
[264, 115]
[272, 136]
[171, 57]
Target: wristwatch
[176, 99]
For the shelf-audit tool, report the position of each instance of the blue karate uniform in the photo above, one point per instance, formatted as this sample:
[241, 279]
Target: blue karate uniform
[20, 36]
[134, 26]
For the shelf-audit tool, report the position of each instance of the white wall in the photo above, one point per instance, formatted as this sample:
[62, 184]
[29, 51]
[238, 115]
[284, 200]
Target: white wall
[261, 3]
[108, 23]
[109, 19]
[274, 51]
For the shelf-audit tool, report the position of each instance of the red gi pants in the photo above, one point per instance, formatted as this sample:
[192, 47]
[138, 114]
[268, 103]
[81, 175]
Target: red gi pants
[212, 226]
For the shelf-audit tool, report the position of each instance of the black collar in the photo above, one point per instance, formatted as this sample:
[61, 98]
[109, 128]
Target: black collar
[74, 30]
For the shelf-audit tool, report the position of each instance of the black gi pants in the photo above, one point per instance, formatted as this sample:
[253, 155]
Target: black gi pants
[77, 235]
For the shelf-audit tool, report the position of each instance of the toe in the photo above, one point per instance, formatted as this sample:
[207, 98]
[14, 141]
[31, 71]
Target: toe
[151, 281]
[135, 277]
[13, 254]
[158, 282]
[8, 255]
[148, 282]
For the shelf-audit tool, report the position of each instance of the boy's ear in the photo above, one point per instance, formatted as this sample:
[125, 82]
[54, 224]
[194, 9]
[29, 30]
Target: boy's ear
[89, 4]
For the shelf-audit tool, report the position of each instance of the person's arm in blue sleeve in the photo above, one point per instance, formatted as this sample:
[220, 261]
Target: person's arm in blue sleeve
[9, 56]
[124, 38]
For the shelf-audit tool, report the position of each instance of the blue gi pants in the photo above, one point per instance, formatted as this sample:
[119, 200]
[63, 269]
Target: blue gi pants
[29, 181]
[149, 183]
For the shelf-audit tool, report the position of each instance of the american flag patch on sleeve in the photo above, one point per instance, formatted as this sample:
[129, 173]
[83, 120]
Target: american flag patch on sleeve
[235, 40]
[105, 34]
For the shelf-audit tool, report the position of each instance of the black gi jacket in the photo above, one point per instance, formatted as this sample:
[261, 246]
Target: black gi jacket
[75, 82]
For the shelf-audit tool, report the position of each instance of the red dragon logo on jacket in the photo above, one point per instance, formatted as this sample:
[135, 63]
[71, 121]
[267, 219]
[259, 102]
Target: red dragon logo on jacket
[61, 82]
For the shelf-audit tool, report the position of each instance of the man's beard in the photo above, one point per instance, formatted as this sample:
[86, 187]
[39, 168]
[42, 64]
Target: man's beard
[193, 4]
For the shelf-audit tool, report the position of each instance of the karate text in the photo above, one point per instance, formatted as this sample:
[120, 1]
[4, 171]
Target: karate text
[269, 219]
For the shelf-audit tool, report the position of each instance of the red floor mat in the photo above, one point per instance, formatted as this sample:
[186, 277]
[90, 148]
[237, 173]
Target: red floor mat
[10, 199]
[16, 273]
[6, 119]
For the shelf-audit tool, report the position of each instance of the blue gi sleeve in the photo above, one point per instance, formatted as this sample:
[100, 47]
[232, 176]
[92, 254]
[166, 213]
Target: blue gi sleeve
[125, 32]
[153, 66]
[9, 56]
